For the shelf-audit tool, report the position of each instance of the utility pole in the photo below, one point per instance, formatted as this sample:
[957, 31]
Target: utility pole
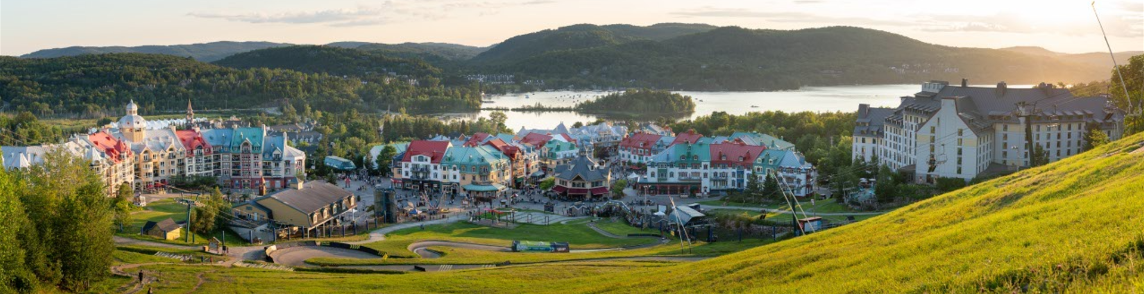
[1114, 65]
[1024, 111]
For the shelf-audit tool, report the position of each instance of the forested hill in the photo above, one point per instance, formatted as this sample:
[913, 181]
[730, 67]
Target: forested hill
[99, 85]
[581, 36]
[732, 58]
[444, 50]
[203, 52]
[332, 60]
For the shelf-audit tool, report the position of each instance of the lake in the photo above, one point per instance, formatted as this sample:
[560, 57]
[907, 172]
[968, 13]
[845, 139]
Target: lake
[837, 98]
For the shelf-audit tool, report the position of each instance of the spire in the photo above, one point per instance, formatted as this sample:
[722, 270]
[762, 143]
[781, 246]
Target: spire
[190, 114]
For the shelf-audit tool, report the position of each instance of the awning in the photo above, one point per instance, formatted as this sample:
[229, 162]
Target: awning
[538, 174]
[599, 191]
[484, 188]
[558, 189]
[577, 191]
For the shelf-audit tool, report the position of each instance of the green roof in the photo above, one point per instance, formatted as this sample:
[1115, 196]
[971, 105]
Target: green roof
[463, 157]
[483, 188]
[242, 134]
[692, 153]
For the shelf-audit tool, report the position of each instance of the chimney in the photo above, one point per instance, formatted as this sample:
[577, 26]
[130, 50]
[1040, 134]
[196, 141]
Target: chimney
[1001, 87]
[863, 109]
[964, 83]
[297, 183]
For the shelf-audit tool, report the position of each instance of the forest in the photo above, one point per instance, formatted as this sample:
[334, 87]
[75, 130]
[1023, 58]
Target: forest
[639, 101]
[97, 86]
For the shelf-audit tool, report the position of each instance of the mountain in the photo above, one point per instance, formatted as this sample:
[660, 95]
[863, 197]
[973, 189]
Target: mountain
[659, 31]
[1095, 59]
[203, 52]
[581, 36]
[348, 44]
[407, 50]
[327, 59]
[732, 58]
[1069, 226]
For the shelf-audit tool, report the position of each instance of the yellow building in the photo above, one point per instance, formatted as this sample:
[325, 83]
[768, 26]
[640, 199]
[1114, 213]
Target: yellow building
[165, 229]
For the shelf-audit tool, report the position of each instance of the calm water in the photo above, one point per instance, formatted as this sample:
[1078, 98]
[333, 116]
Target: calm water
[841, 98]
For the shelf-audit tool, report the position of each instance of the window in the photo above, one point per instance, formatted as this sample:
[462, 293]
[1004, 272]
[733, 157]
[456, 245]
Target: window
[960, 132]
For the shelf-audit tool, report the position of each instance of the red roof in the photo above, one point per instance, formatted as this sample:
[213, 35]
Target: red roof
[476, 140]
[508, 150]
[536, 140]
[435, 150]
[735, 153]
[690, 137]
[110, 145]
[193, 139]
[640, 140]
[567, 138]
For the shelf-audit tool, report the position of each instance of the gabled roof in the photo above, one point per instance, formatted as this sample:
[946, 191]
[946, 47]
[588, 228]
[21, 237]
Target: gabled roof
[312, 197]
[762, 140]
[110, 145]
[167, 225]
[640, 140]
[871, 120]
[480, 155]
[476, 139]
[22, 156]
[689, 137]
[735, 153]
[193, 139]
[535, 139]
[582, 167]
[254, 135]
[559, 146]
[560, 129]
[435, 150]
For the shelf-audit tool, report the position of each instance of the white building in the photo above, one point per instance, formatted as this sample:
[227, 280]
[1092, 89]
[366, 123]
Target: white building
[962, 132]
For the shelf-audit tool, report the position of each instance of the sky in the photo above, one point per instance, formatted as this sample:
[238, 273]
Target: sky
[1059, 25]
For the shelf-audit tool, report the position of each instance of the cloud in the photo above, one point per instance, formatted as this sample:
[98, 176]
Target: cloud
[788, 17]
[322, 16]
[1121, 23]
[389, 11]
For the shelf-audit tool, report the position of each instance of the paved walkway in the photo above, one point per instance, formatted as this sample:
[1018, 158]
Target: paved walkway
[769, 210]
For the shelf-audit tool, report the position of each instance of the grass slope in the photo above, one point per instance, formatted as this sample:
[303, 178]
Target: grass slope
[1074, 224]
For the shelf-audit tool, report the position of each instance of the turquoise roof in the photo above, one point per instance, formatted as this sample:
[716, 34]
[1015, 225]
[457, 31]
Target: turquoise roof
[691, 153]
[254, 135]
[507, 138]
[466, 157]
[771, 158]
